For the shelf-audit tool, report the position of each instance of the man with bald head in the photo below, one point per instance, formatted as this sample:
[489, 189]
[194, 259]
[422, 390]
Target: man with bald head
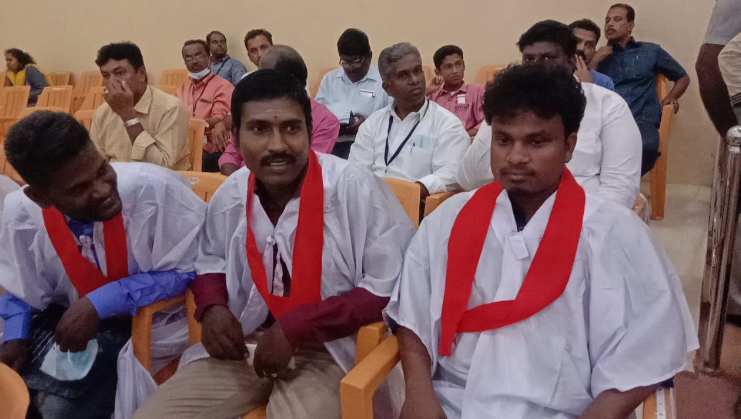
[326, 126]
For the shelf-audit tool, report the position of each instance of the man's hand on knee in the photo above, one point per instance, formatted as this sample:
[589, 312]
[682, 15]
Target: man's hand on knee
[273, 354]
[222, 334]
[14, 353]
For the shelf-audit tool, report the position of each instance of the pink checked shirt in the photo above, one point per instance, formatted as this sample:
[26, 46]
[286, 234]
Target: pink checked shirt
[467, 103]
[210, 97]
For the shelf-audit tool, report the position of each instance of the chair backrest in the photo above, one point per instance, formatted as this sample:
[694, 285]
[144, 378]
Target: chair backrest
[173, 77]
[59, 78]
[28, 111]
[407, 192]
[204, 184]
[196, 131]
[662, 86]
[168, 89]
[14, 397]
[93, 99]
[488, 72]
[85, 118]
[87, 80]
[318, 80]
[12, 100]
[57, 96]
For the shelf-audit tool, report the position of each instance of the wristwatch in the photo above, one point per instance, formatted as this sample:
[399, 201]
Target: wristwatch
[207, 125]
[131, 122]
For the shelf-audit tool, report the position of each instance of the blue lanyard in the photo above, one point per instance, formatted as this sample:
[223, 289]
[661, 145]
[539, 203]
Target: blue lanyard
[222, 65]
[403, 143]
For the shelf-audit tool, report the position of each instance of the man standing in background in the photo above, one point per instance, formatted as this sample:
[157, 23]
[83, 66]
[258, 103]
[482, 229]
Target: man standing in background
[587, 35]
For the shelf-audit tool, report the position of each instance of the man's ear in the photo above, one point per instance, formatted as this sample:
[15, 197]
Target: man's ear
[385, 86]
[632, 26]
[437, 72]
[36, 196]
[570, 145]
[370, 56]
[142, 73]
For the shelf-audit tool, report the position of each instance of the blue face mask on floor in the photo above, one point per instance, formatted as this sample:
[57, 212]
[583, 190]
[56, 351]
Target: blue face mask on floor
[70, 366]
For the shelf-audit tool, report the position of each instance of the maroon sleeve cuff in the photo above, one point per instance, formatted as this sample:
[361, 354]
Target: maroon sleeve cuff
[333, 318]
[209, 289]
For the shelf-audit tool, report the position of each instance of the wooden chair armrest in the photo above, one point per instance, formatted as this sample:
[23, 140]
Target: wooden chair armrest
[358, 386]
[369, 337]
[194, 328]
[434, 200]
[141, 329]
[660, 404]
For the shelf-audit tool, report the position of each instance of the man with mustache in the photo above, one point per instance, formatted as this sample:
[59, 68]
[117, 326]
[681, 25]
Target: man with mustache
[449, 90]
[85, 244]
[529, 298]
[633, 66]
[607, 157]
[325, 126]
[206, 95]
[353, 91]
[315, 257]
[221, 63]
[413, 138]
[587, 35]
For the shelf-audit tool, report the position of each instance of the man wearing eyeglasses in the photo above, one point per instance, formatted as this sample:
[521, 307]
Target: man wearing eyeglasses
[353, 91]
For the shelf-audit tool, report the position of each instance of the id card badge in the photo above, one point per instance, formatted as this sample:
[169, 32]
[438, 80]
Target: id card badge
[461, 99]
[367, 93]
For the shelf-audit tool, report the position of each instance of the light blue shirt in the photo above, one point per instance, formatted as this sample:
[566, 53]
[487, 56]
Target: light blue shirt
[342, 96]
[229, 68]
[602, 80]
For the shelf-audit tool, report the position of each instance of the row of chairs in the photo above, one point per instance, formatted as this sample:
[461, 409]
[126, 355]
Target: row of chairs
[87, 94]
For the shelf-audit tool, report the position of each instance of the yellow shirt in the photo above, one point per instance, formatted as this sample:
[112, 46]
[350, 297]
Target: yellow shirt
[163, 142]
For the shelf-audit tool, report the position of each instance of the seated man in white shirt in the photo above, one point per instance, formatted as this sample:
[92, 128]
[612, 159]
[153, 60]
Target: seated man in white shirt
[413, 138]
[353, 91]
[607, 158]
[531, 298]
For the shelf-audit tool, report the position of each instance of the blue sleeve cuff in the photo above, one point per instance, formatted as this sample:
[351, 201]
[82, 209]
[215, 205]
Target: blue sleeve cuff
[127, 294]
[17, 316]
[109, 300]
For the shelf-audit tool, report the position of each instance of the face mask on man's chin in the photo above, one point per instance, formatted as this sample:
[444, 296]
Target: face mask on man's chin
[199, 75]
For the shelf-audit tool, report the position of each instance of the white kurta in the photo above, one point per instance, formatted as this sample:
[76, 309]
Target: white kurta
[622, 321]
[607, 157]
[162, 217]
[430, 156]
[366, 232]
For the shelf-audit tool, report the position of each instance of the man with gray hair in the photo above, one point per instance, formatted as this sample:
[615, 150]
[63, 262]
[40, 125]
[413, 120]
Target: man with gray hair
[413, 138]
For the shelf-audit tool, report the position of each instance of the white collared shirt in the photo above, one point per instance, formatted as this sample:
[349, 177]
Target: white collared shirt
[342, 96]
[607, 157]
[431, 154]
[622, 321]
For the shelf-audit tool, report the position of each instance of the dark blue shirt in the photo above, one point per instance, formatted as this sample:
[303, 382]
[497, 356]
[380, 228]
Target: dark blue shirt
[633, 69]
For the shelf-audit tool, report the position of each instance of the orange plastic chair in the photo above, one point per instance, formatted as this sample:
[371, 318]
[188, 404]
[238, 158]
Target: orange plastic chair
[13, 100]
[318, 80]
[58, 96]
[359, 385]
[488, 72]
[168, 89]
[87, 80]
[657, 175]
[196, 131]
[173, 77]
[204, 184]
[93, 99]
[434, 200]
[28, 111]
[407, 192]
[59, 78]
[14, 397]
[85, 117]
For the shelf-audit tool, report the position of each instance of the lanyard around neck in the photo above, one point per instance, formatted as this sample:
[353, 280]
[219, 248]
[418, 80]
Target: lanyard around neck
[222, 65]
[403, 143]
